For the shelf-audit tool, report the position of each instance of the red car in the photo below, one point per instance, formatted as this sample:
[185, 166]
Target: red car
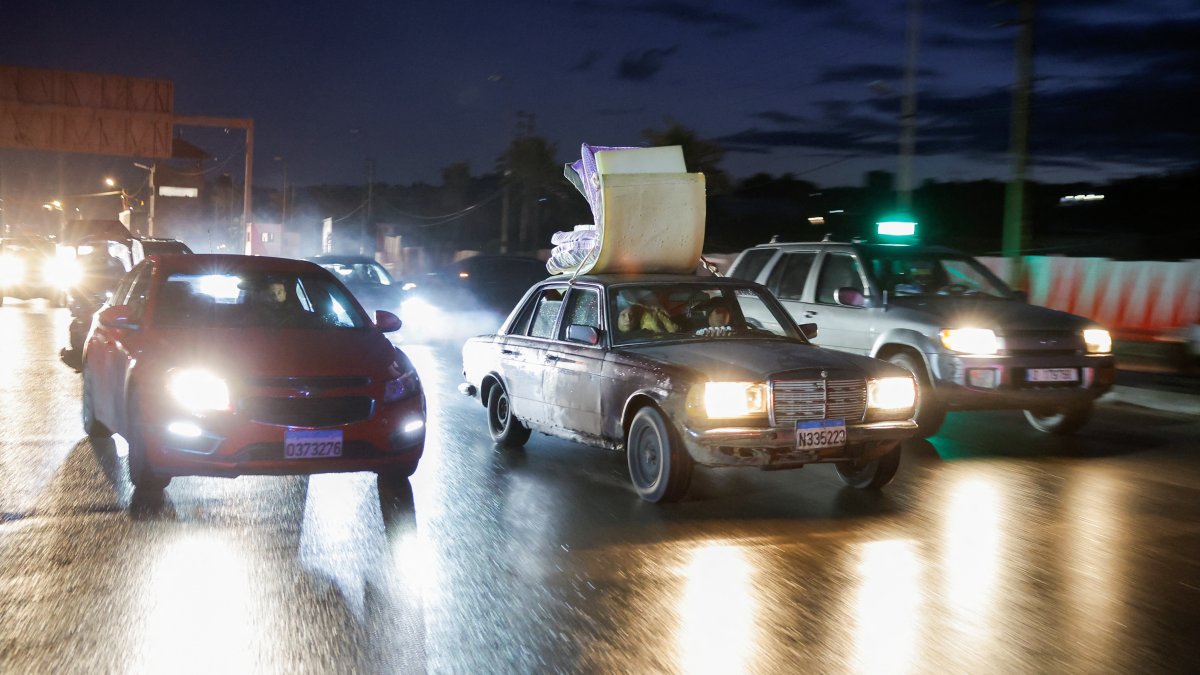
[227, 365]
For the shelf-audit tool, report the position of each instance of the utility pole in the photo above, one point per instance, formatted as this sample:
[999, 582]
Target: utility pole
[908, 110]
[153, 194]
[368, 233]
[1016, 230]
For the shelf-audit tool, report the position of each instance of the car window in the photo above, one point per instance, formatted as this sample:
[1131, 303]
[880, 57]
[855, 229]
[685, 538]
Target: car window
[255, 298]
[752, 263]
[790, 274]
[906, 273]
[583, 309]
[694, 311]
[545, 313]
[121, 294]
[138, 292]
[839, 270]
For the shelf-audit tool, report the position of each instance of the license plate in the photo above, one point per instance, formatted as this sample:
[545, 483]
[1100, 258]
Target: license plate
[817, 434]
[1052, 375]
[312, 444]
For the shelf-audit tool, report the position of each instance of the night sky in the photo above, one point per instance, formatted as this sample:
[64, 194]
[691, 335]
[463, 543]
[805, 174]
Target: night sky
[810, 87]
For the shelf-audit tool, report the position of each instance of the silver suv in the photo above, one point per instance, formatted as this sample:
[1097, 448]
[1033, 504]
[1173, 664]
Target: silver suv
[971, 342]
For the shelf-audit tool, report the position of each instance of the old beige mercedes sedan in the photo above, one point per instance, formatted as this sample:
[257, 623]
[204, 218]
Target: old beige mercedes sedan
[676, 371]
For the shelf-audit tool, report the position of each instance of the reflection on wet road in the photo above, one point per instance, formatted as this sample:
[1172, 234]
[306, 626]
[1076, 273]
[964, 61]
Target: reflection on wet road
[996, 550]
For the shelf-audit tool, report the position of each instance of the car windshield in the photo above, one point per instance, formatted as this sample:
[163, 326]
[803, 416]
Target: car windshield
[694, 311]
[359, 273]
[254, 299]
[905, 273]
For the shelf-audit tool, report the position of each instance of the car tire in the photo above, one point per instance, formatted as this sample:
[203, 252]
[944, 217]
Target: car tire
[1061, 421]
[93, 427]
[659, 465]
[141, 473]
[399, 473]
[930, 414]
[871, 475]
[505, 429]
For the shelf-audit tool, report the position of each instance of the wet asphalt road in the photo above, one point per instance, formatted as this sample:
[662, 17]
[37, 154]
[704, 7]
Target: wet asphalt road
[996, 550]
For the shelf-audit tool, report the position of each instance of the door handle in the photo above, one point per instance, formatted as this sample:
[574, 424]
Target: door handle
[809, 313]
[510, 352]
[551, 357]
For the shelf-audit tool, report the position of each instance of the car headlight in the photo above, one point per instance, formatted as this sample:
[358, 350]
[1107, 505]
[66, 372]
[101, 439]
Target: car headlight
[197, 389]
[970, 340]
[401, 387]
[891, 393]
[65, 273]
[725, 400]
[12, 269]
[1098, 341]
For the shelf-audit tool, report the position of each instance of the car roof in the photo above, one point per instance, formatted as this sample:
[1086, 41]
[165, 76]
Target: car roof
[341, 259]
[870, 246]
[615, 279]
[221, 262]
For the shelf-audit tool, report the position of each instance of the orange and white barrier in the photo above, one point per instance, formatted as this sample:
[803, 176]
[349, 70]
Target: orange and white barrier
[1131, 298]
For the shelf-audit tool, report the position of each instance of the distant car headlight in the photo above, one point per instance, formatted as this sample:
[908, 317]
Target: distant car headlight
[417, 311]
[970, 340]
[402, 387]
[12, 269]
[725, 400]
[198, 390]
[891, 393]
[63, 272]
[1098, 341]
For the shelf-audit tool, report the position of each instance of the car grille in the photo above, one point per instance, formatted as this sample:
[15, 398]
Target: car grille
[310, 383]
[1042, 343]
[793, 400]
[308, 412]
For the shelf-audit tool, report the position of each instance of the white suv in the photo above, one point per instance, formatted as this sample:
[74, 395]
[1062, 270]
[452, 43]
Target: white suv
[971, 342]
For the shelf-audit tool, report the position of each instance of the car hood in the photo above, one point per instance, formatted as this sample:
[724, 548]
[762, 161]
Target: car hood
[754, 360]
[1000, 315]
[278, 352]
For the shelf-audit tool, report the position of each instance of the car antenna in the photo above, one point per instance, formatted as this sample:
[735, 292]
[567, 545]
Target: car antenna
[828, 237]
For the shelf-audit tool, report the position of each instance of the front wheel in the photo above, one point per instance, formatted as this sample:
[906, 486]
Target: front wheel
[93, 427]
[871, 475]
[1062, 421]
[929, 414]
[659, 465]
[141, 473]
[504, 428]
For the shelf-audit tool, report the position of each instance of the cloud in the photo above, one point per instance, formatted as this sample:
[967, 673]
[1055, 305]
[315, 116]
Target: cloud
[866, 73]
[718, 23]
[644, 65]
[585, 62]
[779, 117]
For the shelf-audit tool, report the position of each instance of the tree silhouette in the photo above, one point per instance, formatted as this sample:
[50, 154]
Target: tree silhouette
[531, 171]
[698, 154]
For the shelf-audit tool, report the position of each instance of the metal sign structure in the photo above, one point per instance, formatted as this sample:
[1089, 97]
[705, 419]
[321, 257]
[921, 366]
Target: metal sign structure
[63, 111]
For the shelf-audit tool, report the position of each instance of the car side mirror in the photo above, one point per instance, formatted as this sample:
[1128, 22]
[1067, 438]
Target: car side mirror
[387, 322]
[809, 330]
[851, 297]
[118, 316]
[588, 335]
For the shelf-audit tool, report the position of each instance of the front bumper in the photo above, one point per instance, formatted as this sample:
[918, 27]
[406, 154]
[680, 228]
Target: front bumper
[231, 445]
[1000, 382]
[775, 447]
